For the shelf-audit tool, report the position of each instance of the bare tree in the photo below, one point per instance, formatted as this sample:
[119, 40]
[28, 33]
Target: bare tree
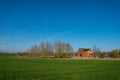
[69, 50]
[48, 48]
[96, 51]
[33, 50]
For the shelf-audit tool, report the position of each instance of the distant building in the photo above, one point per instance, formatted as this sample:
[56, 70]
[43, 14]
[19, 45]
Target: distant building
[87, 53]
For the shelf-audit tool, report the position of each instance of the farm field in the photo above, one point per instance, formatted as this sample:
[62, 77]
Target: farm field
[13, 68]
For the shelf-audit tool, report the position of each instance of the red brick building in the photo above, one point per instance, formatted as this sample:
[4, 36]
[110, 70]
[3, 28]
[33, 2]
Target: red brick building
[88, 53]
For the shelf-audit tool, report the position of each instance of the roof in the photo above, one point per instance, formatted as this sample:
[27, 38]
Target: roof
[83, 49]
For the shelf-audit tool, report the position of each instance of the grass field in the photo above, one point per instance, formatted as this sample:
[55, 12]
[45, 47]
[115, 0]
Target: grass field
[12, 68]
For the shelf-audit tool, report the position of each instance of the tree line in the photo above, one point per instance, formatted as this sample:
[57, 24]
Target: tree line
[64, 50]
[47, 49]
[111, 54]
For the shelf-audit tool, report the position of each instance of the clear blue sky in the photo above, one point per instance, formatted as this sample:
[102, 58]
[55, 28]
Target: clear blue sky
[83, 23]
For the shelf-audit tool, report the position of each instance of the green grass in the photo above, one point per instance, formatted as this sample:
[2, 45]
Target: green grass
[12, 68]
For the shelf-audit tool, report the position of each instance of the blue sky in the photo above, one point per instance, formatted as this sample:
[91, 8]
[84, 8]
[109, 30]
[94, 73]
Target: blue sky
[83, 23]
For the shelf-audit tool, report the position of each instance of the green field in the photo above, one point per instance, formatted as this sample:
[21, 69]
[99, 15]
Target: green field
[12, 68]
